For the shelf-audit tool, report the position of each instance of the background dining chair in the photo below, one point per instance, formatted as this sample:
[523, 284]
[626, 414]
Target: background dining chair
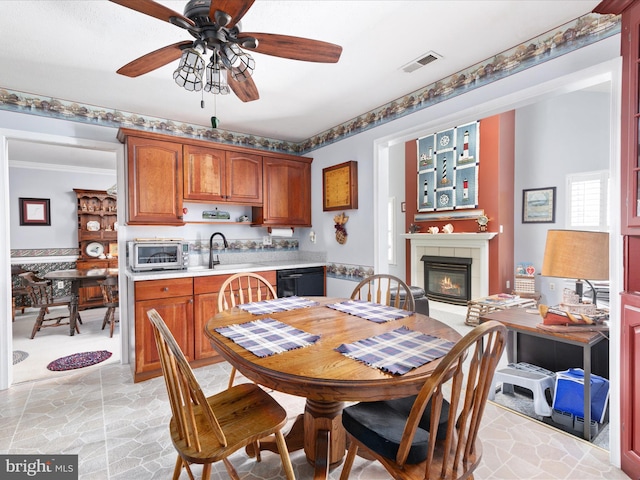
[397, 432]
[381, 287]
[205, 430]
[111, 300]
[243, 288]
[41, 296]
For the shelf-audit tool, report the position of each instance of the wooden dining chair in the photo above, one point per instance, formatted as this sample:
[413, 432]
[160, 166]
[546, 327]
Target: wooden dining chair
[205, 430]
[41, 296]
[111, 300]
[400, 433]
[380, 287]
[243, 288]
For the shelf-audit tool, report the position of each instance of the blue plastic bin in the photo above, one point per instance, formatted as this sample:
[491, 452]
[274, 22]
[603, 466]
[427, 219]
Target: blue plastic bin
[569, 394]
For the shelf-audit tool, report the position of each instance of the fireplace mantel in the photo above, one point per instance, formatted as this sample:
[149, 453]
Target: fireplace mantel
[474, 245]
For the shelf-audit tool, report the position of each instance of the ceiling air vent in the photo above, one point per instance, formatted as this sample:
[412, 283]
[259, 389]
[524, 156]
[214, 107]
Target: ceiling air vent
[421, 62]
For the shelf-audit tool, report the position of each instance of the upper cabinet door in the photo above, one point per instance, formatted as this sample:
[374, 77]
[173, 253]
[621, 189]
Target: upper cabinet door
[215, 175]
[154, 169]
[244, 178]
[204, 174]
[287, 193]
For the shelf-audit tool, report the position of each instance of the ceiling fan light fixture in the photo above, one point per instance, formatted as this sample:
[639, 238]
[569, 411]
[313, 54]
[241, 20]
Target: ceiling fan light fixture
[238, 62]
[216, 79]
[189, 72]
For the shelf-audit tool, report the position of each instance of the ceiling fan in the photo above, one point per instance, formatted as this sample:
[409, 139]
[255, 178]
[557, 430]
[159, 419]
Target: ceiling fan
[215, 26]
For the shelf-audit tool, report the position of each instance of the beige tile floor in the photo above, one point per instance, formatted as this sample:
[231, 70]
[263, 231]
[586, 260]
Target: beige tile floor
[118, 429]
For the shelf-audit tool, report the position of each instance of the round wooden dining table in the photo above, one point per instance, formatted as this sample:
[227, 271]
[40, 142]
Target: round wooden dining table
[324, 376]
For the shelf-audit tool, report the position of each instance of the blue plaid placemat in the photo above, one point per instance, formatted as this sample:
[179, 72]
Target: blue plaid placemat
[267, 336]
[398, 351]
[371, 311]
[277, 305]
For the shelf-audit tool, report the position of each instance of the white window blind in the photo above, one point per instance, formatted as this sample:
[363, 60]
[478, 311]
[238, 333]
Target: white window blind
[588, 201]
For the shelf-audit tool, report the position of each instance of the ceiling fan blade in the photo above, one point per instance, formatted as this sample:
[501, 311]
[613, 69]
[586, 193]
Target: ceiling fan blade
[234, 8]
[156, 59]
[153, 9]
[295, 48]
[245, 90]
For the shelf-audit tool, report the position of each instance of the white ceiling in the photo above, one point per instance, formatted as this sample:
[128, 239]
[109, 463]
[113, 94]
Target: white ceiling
[70, 50]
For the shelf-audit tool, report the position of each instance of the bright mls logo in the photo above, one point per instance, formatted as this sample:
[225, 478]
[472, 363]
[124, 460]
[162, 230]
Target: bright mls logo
[50, 467]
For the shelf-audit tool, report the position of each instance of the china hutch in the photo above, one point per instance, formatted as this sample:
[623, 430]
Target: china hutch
[97, 238]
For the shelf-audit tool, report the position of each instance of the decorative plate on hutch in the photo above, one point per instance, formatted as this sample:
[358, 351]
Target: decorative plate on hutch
[94, 249]
[93, 226]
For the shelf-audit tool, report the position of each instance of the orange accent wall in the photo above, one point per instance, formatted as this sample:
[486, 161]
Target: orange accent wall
[495, 196]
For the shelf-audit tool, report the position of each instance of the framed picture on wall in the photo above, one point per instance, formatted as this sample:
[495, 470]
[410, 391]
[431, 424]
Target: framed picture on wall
[35, 211]
[539, 205]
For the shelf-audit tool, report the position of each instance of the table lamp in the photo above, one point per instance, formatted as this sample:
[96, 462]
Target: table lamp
[577, 254]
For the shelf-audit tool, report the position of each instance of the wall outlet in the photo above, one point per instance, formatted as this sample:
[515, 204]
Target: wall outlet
[552, 286]
[508, 284]
[266, 240]
[61, 284]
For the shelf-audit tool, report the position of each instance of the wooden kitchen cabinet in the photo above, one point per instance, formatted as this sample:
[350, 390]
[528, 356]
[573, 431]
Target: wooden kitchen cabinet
[215, 175]
[206, 290]
[630, 229]
[287, 193]
[173, 299]
[154, 181]
[164, 170]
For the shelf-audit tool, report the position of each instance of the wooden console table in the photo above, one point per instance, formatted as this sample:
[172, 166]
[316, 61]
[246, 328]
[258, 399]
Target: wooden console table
[519, 322]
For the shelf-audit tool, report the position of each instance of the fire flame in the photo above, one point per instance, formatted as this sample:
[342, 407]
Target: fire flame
[446, 285]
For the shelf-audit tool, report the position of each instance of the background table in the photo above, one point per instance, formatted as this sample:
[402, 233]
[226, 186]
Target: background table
[481, 306]
[519, 322]
[325, 377]
[79, 279]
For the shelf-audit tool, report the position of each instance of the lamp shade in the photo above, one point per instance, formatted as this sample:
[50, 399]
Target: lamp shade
[576, 254]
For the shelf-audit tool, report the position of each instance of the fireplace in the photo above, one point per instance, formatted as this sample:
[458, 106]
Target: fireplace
[447, 279]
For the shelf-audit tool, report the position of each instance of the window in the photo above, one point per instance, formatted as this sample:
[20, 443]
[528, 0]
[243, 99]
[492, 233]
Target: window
[588, 201]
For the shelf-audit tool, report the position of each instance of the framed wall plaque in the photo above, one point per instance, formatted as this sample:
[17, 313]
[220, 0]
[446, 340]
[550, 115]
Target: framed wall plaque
[539, 205]
[35, 211]
[340, 187]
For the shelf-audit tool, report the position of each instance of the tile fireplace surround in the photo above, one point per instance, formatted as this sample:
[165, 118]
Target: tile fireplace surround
[464, 245]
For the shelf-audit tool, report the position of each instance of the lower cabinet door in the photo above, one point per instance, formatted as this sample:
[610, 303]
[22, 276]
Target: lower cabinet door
[205, 307]
[177, 313]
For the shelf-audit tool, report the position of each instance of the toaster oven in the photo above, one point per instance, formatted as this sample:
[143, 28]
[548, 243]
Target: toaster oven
[157, 254]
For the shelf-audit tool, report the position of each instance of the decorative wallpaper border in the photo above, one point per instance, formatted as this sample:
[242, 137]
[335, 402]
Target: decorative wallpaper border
[353, 273]
[195, 246]
[571, 36]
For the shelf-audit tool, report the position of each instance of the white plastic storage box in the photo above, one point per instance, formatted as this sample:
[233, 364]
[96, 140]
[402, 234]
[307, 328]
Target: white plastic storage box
[569, 394]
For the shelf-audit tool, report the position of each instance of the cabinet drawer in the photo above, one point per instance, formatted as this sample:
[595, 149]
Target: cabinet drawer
[98, 263]
[153, 289]
[209, 284]
[213, 283]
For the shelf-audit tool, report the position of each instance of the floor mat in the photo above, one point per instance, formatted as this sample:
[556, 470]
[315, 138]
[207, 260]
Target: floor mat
[78, 360]
[19, 355]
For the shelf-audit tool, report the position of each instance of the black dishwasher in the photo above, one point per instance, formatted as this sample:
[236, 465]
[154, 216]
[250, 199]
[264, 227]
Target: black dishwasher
[300, 281]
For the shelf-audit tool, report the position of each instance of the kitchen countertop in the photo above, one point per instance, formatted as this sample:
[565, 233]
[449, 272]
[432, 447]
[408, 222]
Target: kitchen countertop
[223, 269]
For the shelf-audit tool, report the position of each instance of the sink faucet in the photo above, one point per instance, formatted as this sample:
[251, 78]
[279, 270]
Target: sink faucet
[213, 262]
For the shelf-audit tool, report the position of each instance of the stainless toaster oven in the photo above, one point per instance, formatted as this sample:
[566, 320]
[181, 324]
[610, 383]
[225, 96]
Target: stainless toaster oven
[157, 254]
